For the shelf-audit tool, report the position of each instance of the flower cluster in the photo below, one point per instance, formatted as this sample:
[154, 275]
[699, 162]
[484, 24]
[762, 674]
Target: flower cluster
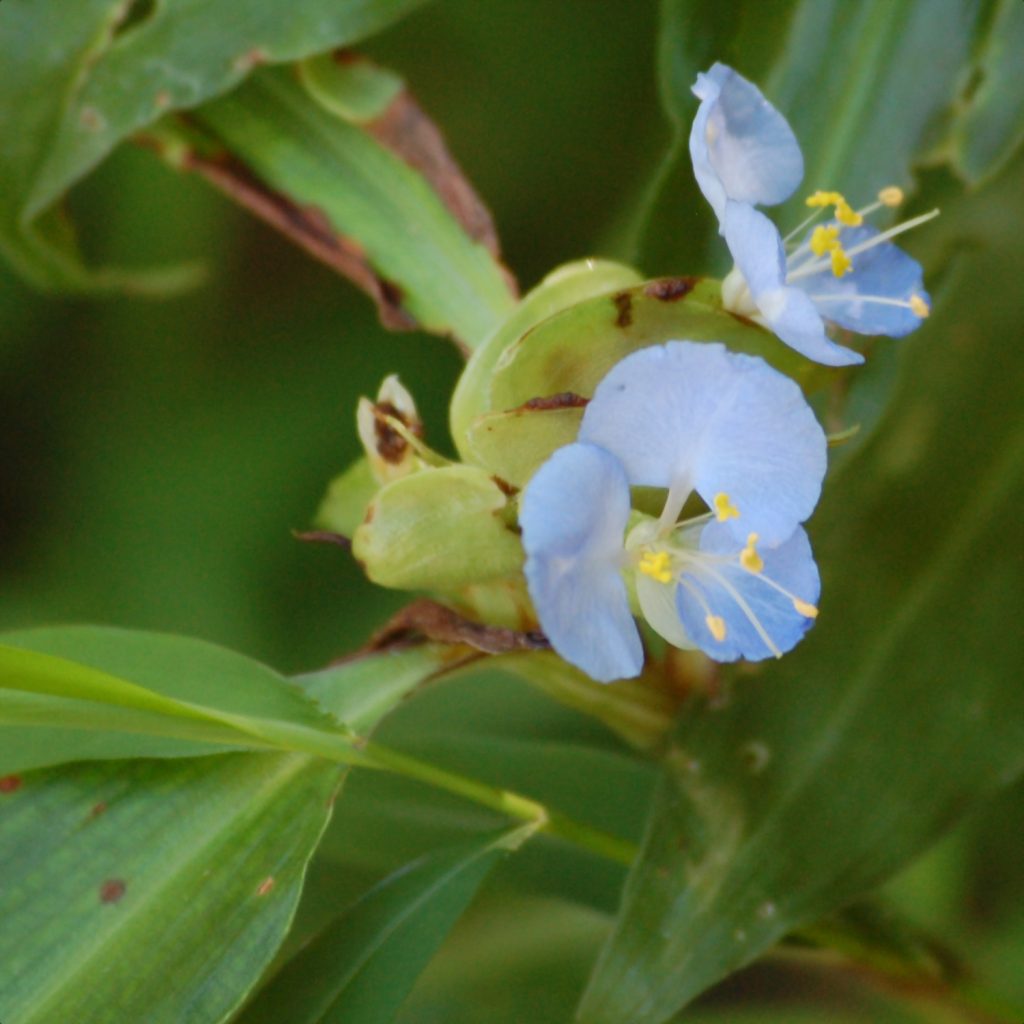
[843, 272]
[738, 579]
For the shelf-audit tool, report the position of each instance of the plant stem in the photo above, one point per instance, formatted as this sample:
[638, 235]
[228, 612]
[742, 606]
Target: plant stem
[502, 800]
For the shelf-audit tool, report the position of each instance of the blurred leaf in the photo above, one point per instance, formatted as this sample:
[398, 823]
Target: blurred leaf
[988, 125]
[381, 202]
[900, 711]
[862, 85]
[360, 969]
[674, 222]
[79, 79]
[153, 891]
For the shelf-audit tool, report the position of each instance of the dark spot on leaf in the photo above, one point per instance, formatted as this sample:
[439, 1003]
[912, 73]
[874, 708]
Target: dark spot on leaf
[98, 809]
[671, 289]
[266, 886]
[624, 306]
[563, 400]
[10, 784]
[112, 890]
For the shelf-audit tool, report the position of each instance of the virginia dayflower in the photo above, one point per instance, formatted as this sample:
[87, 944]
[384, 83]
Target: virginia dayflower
[737, 581]
[843, 272]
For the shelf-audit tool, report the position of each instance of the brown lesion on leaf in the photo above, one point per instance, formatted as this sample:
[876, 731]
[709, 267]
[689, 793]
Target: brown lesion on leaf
[671, 289]
[112, 890]
[406, 130]
[623, 309]
[307, 226]
[10, 784]
[426, 619]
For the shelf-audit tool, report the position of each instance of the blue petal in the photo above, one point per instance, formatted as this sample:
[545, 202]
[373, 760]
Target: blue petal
[756, 246]
[884, 271]
[696, 416]
[742, 148]
[791, 565]
[573, 516]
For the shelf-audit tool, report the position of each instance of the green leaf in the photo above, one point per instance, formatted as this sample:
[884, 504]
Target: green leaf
[348, 495]
[988, 125]
[92, 693]
[361, 968]
[152, 890]
[78, 79]
[382, 194]
[832, 769]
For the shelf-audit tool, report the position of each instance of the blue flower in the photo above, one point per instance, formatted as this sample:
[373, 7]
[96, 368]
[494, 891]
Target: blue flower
[738, 581]
[842, 272]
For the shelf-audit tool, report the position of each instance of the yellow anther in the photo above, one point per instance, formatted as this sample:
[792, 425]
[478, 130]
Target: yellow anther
[821, 198]
[657, 565]
[724, 508]
[717, 626]
[824, 238]
[845, 214]
[841, 263]
[749, 558]
[891, 196]
[805, 609]
[919, 307]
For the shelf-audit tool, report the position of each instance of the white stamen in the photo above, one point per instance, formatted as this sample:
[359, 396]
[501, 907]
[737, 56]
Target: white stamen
[745, 608]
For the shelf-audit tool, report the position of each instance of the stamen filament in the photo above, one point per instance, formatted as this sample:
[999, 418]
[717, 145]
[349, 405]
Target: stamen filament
[746, 609]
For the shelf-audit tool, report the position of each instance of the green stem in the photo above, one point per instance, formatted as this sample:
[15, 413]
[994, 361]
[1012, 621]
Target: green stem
[505, 801]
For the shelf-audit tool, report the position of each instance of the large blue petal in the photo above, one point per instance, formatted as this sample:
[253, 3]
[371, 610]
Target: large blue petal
[756, 246]
[573, 516]
[791, 565]
[884, 271]
[697, 416]
[742, 148]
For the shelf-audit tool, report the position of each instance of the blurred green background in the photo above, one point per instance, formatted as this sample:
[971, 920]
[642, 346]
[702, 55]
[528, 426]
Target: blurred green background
[156, 456]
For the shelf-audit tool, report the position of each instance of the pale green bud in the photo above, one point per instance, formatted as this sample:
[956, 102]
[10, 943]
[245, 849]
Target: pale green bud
[439, 529]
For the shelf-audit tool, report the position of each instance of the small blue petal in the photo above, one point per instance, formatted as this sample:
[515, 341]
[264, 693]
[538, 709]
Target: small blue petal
[573, 516]
[791, 565]
[884, 271]
[756, 246]
[742, 148]
[696, 416]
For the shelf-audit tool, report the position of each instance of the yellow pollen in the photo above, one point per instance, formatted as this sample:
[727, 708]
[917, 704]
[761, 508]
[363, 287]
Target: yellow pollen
[749, 558]
[805, 609]
[919, 307]
[891, 196]
[841, 263]
[717, 626]
[724, 508]
[845, 214]
[657, 565]
[821, 198]
[824, 239]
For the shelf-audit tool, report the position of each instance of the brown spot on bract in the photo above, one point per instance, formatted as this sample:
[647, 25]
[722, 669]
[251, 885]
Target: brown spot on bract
[390, 444]
[98, 809]
[112, 890]
[92, 120]
[162, 100]
[266, 885]
[250, 59]
[624, 309]
[671, 289]
[563, 400]
[10, 784]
